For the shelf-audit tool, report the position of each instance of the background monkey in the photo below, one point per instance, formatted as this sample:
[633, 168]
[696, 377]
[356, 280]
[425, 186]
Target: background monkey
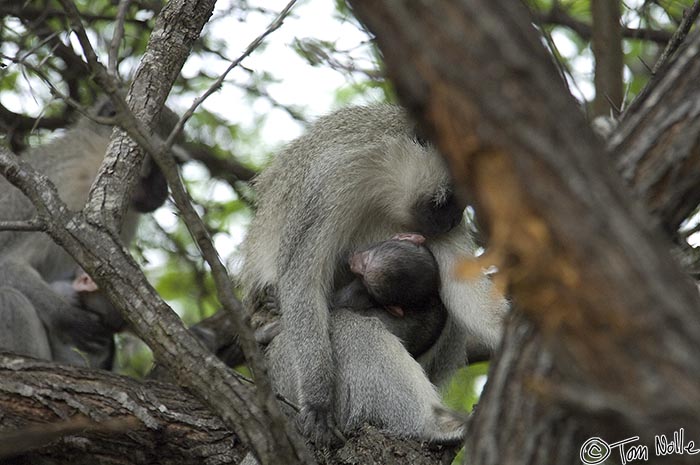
[356, 177]
[31, 310]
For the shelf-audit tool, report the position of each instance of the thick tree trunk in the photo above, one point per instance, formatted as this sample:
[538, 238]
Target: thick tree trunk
[605, 339]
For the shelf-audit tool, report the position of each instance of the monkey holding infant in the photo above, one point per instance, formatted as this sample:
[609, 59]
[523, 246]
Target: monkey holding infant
[357, 177]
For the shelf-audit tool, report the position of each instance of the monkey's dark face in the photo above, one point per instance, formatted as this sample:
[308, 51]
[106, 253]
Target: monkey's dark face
[434, 216]
[398, 273]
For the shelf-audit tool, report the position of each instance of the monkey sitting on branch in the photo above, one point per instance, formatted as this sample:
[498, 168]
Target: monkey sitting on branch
[39, 313]
[358, 176]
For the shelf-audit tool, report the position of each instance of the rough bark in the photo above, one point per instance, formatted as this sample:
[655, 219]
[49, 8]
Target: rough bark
[170, 426]
[605, 340]
[657, 145]
[607, 50]
[81, 416]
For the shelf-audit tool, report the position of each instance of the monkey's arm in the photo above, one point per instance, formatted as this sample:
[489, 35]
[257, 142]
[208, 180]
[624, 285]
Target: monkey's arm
[309, 262]
[305, 320]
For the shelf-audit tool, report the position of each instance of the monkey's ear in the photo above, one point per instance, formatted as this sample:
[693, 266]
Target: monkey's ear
[84, 283]
[395, 310]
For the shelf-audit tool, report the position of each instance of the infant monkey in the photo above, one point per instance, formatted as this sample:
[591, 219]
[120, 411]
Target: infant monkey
[398, 281]
[84, 334]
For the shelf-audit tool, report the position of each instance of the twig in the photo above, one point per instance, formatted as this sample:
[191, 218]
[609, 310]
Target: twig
[28, 225]
[689, 17]
[274, 25]
[562, 66]
[117, 37]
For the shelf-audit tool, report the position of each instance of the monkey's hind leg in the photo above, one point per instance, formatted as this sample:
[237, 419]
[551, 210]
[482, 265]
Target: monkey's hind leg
[21, 330]
[381, 384]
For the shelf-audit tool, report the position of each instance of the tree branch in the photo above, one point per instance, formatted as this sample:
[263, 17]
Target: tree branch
[29, 225]
[607, 49]
[166, 425]
[557, 16]
[263, 428]
[656, 147]
[689, 17]
[62, 414]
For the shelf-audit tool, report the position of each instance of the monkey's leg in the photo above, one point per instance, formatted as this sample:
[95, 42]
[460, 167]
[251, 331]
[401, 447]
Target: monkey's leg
[380, 383]
[21, 330]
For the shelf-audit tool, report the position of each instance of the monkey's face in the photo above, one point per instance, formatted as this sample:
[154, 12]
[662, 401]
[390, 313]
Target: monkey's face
[437, 214]
[421, 194]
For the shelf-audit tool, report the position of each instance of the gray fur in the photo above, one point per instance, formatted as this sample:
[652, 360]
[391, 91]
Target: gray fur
[77, 333]
[353, 180]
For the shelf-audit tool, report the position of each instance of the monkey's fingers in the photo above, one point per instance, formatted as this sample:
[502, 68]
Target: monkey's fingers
[416, 238]
[318, 425]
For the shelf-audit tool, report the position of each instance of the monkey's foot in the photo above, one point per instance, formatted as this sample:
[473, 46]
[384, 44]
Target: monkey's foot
[319, 426]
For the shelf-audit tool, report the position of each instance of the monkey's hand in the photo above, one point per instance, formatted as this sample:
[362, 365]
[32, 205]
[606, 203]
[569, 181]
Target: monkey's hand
[319, 426]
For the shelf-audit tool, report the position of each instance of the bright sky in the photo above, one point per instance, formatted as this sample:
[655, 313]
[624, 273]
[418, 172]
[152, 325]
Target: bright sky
[301, 84]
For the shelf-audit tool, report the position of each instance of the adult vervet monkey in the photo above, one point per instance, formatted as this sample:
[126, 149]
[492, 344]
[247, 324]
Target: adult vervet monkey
[358, 176]
[35, 313]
